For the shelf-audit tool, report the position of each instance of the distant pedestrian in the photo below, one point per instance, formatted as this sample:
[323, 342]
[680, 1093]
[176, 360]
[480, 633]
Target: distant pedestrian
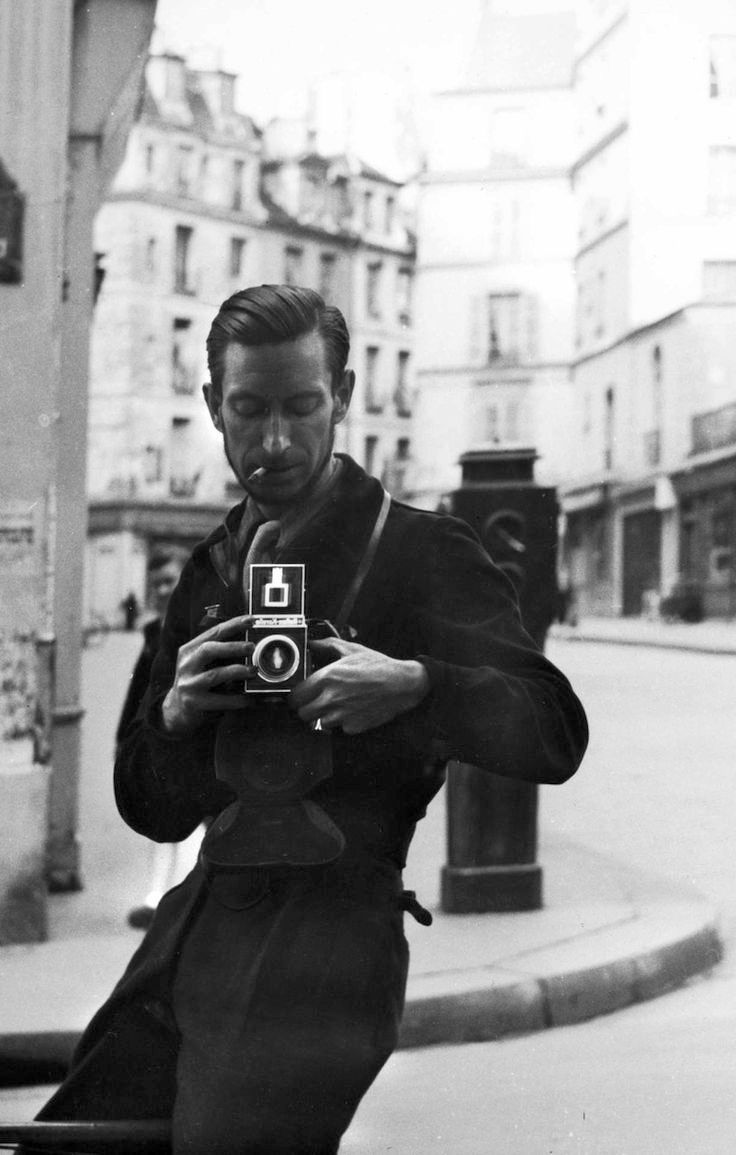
[131, 610]
[164, 567]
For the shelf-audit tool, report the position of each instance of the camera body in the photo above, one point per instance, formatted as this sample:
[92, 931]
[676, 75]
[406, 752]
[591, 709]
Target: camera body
[279, 628]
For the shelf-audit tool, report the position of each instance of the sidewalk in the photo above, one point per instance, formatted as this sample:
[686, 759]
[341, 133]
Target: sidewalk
[607, 936]
[707, 637]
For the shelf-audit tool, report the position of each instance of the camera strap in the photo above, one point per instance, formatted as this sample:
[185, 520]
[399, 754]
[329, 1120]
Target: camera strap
[365, 564]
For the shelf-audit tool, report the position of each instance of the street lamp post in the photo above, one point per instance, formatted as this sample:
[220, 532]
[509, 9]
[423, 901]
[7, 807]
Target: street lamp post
[492, 819]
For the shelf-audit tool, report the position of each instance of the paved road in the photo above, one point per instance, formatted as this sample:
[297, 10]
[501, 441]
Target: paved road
[656, 790]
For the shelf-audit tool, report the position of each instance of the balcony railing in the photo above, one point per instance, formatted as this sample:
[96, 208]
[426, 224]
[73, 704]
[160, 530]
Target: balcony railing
[183, 486]
[715, 429]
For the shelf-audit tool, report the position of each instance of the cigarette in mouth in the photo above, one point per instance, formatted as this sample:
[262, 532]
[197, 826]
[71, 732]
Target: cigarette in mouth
[257, 474]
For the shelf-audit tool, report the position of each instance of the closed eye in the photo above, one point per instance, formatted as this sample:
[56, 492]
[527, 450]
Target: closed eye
[304, 404]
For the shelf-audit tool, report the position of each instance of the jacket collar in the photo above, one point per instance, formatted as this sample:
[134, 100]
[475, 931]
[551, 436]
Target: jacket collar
[331, 544]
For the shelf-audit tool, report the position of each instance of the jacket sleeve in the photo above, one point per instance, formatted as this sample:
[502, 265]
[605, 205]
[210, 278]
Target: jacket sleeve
[497, 702]
[165, 785]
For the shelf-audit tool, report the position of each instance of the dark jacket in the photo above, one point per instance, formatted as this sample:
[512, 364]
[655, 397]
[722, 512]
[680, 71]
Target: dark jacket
[433, 594]
[140, 678]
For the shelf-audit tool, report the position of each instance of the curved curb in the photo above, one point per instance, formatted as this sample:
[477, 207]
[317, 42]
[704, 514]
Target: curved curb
[682, 645]
[666, 940]
[530, 997]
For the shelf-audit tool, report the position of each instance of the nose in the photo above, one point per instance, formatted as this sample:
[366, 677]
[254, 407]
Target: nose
[276, 435]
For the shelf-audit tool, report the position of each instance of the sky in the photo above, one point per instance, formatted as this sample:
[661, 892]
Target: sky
[386, 50]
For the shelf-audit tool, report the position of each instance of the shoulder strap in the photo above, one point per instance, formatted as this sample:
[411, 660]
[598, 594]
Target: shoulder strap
[365, 564]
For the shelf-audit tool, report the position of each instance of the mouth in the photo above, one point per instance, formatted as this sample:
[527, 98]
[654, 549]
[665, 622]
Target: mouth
[266, 473]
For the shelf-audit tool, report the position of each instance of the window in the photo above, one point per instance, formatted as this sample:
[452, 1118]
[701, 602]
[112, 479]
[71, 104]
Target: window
[492, 430]
[657, 383]
[722, 66]
[395, 473]
[587, 421]
[184, 170]
[372, 397]
[237, 253]
[373, 288]
[369, 457]
[600, 303]
[403, 295]
[293, 265]
[204, 172]
[402, 400]
[182, 254]
[151, 255]
[182, 479]
[390, 214]
[722, 535]
[183, 378]
[722, 181]
[236, 193]
[609, 417]
[503, 328]
[340, 199]
[152, 464]
[513, 419]
[327, 263]
[368, 200]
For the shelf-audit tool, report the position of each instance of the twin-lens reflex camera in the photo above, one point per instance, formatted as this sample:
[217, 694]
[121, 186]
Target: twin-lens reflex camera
[272, 760]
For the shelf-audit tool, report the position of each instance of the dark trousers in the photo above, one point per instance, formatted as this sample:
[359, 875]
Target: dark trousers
[285, 1004]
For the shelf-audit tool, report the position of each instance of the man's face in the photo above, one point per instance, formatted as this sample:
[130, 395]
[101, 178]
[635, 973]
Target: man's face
[278, 411]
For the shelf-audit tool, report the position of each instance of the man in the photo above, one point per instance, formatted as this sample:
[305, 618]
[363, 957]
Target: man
[265, 998]
[164, 568]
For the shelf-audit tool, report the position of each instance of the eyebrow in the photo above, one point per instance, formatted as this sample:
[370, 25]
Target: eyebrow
[247, 393]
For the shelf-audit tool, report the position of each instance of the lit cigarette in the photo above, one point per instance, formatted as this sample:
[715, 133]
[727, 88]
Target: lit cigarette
[257, 474]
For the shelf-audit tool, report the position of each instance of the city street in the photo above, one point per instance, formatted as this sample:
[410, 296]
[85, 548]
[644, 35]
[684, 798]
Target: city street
[656, 791]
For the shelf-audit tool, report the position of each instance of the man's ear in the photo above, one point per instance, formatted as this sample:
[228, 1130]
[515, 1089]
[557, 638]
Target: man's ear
[342, 397]
[214, 405]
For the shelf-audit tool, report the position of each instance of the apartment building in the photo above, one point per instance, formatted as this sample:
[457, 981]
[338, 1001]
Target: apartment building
[207, 202]
[651, 496]
[495, 297]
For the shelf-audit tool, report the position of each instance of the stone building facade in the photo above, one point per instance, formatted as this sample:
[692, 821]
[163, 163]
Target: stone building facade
[71, 77]
[650, 500]
[205, 203]
[495, 284]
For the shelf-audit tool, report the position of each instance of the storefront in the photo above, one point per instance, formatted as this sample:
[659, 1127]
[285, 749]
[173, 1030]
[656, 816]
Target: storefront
[587, 548]
[707, 500]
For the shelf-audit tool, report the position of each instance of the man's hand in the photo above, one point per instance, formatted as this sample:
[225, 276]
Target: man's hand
[203, 665]
[360, 690]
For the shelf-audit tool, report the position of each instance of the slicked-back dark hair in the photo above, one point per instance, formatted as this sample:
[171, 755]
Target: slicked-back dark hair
[270, 314]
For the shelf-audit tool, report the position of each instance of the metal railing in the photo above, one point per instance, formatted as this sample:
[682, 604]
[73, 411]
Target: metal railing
[124, 1137]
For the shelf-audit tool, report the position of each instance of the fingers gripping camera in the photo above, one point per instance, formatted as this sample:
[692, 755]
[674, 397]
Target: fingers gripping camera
[278, 630]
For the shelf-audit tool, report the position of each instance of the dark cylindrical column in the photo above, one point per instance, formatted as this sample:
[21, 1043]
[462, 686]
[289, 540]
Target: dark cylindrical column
[492, 819]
